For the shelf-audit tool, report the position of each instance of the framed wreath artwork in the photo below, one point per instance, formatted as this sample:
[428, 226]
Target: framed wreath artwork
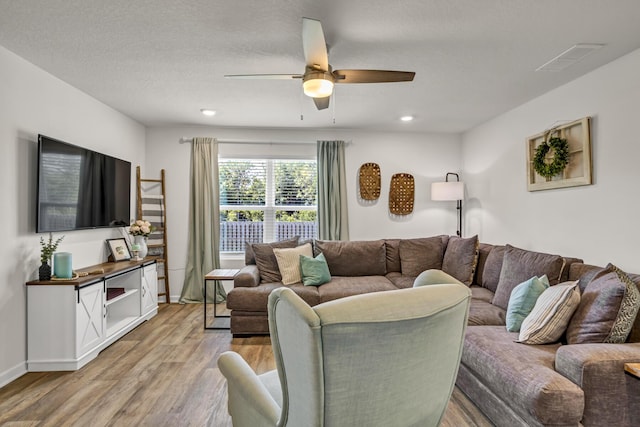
[560, 157]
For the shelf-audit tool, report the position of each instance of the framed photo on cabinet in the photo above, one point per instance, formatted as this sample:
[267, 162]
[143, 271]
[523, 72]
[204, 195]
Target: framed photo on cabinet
[119, 249]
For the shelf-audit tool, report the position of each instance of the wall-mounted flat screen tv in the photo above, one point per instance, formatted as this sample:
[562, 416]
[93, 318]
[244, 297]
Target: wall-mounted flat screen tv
[80, 188]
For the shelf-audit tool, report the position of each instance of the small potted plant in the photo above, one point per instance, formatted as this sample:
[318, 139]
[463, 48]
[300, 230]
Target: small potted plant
[47, 248]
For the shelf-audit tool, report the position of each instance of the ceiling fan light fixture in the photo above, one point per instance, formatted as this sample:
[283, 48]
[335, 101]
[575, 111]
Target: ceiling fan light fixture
[318, 84]
[208, 112]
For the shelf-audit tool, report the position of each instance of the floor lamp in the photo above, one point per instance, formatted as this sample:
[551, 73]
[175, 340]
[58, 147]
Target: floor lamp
[450, 190]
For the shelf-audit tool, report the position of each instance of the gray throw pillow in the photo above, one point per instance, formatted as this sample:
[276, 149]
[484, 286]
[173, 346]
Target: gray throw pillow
[418, 255]
[266, 260]
[460, 258]
[492, 267]
[519, 265]
[393, 255]
[250, 257]
[607, 310]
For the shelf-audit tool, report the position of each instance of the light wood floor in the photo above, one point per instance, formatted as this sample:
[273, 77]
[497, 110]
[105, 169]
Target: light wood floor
[163, 373]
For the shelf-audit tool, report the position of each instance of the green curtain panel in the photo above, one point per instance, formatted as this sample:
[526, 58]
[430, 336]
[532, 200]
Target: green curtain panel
[333, 222]
[204, 224]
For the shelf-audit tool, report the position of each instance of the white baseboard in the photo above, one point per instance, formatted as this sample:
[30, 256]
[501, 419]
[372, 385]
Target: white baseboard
[12, 374]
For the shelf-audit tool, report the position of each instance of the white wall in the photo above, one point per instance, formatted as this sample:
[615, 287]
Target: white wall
[427, 156]
[598, 222]
[33, 102]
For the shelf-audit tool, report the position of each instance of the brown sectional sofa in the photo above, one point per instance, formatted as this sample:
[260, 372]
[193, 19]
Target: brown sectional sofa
[514, 384]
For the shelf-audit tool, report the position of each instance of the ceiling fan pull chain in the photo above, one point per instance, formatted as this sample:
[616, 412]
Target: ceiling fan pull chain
[301, 101]
[334, 107]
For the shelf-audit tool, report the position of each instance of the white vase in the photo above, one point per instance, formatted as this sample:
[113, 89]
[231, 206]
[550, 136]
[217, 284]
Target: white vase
[141, 241]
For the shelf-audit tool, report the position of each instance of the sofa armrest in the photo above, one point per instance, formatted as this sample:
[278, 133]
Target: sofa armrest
[247, 277]
[611, 396]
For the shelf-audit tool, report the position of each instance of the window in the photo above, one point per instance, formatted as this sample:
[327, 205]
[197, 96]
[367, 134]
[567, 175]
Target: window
[266, 200]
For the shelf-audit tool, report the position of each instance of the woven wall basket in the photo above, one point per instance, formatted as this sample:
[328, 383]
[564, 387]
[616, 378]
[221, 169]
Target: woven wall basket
[369, 181]
[401, 194]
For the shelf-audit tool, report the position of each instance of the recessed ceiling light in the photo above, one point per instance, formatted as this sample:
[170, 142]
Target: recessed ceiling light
[207, 112]
[406, 118]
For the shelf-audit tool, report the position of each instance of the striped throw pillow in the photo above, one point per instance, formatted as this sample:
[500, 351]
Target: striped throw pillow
[550, 316]
[289, 262]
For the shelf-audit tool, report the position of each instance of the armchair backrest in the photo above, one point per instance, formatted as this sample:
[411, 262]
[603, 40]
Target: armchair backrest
[378, 359]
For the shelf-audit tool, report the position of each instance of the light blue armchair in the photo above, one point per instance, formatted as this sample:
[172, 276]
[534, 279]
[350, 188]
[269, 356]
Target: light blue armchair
[379, 359]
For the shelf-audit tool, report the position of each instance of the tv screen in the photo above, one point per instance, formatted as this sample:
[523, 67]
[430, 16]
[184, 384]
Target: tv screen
[80, 188]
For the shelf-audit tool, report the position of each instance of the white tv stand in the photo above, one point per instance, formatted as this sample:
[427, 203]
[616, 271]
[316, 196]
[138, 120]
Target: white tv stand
[70, 322]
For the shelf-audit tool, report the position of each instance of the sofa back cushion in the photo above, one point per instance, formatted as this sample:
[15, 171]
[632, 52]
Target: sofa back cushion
[357, 258]
[418, 255]
[519, 265]
[460, 258]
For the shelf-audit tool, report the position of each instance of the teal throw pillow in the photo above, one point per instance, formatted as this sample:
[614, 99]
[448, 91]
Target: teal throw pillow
[315, 271]
[523, 299]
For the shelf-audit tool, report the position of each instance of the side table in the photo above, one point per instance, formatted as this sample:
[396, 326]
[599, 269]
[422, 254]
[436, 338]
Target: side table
[632, 369]
[217, 274]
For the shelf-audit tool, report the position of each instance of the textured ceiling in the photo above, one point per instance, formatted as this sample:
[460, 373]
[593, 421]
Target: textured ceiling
[161, 61]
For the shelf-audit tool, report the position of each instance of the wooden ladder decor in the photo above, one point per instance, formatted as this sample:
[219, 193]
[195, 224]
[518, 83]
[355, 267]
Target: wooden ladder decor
[151, 206]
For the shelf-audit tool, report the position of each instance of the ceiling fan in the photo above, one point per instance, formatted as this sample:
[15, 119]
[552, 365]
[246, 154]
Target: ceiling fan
[319, 77]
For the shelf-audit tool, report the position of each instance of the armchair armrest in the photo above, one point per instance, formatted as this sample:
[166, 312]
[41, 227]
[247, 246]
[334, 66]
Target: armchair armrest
[250, 403]
[611, 396]
[247, 277]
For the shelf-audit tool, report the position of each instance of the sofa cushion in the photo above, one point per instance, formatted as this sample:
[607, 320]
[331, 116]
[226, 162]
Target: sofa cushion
[523, 376]
[460, 258]
[250, 256]
[584, 273]
[607, 310]
[266, 259]
[288, 260]
[315, 271]
[520, 265]
[480, 293]
[491, 268]
[357, 258]
[523, 299]
[340, 287]
[400, 281]
[418, 255]
[485, 313]
[255, 299]
[549, 318]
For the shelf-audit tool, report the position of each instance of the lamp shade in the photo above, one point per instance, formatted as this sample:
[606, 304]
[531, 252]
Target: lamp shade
[447, 191]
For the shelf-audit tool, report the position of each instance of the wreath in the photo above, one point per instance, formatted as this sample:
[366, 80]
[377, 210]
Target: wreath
[560, 157]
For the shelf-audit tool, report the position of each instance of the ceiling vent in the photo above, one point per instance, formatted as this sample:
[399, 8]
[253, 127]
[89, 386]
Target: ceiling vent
[570, 56]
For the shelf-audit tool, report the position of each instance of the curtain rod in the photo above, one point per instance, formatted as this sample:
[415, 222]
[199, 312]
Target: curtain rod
[185, 140]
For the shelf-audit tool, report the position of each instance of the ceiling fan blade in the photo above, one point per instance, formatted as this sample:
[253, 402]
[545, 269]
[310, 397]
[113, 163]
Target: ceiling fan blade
[264, 76]
[372, 76]
[322, 103]
[314, 45]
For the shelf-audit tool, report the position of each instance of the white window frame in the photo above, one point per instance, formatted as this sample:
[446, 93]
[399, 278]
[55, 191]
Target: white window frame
[269, 208]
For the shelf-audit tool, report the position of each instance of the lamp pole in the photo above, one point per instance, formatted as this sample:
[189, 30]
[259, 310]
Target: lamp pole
[458, 204]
